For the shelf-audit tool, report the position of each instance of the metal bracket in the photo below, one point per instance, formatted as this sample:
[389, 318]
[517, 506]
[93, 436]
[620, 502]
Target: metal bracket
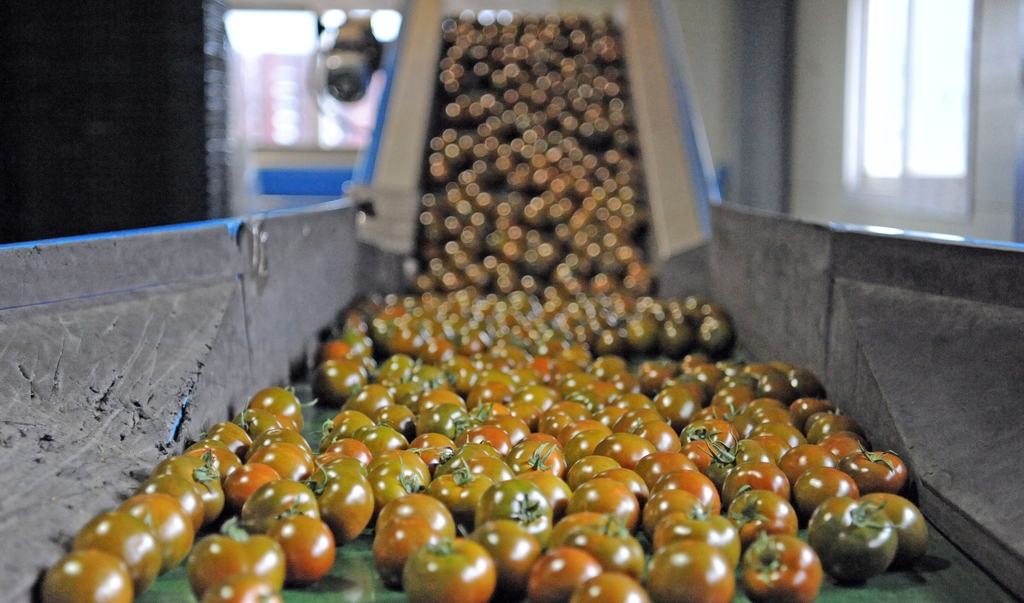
[257, 250]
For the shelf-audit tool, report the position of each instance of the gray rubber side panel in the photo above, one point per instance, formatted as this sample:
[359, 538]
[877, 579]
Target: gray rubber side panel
[114, 350]
[773, 274]
[380, 270]
[685, 274]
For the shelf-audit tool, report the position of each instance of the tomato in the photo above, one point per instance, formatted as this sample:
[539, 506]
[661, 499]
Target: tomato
[217, 557]
[308, 546]
[803, 408]
[821, 424]
[557, 574]
[277, 436]
[583, 444]
[781, 569]
[486, 434]
[396, 542]
[170, 525]
[819, 484]
[757, 511]
[288, 460]
[634, 418]
[690, 572]
[514, 551]
[369, 400]
[631, 480]
[666, 502]
[444, 419]
[202, 474]
[184, 491]
[395, 368]
[129, 539]
[855, 540]
[570, 431]
[612, 545]
[273, 499]
[911, 527]
[242, 589]
[431, 440]
[399, 418]
[607, 496]
[460, 492]
[842, 443]
[456, 571]
[519, 500]
[587, 468]
[256, 421]
[232, 436]
[344, 425]
[346, 505]
[223, 460]
[625, 448]
[773, 444]
[279, 401]
[88, 576]
[610, 587]
[555, 490]
[757, 476]
[530, 455]
[695, 483]
[875, 471]
[336, 380]
[609, 415]
[350, 447]
[422, 506]
[700, 525]
[725, 459]
[789, 434]
[653, 466]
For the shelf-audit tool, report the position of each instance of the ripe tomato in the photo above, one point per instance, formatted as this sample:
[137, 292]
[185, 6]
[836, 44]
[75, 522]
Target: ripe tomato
[256, 421]
[536, 456]
[382, 438]
[690, 572]
[806, 456]
[803, 408]
[570, 431]
[453, 571]
[625, 448]
[217, 557]
[587, 468]
[820, 424]
[608, 587]
[344, 425]
[288, 460]
[486, 434]
[609, 497]
[232, 436]
[185, 492]
[757, 511]
[460, 492]
[202, 474]
[756, 476]
[519, 500]
[274, 499]
[555, 490]
[422, 506]
[308, 546]
[395, 542]
[660, 434]
[631, 480]
[557, 574]
[817, 485]
[612, 545]
[336, 380]
[87, 576]
[242, 589]
[715, 530]
[653, 466]
[695, 483]
[570, 523]
[855, 540]
[514, 551]
[875, 471]
[911, 527]
[350, 447]
[279, 401]
[781, 569]
[346, 505]
[666, 502]
[842, 443]
[169, 523]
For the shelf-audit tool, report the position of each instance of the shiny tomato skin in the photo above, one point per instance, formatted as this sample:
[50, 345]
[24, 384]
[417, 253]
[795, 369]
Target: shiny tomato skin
[781, 569]
[757, 511]
[911, 527]
[715, 530]
[171, 526]
[816, 486]
[519, 500]
[460, 492]
[610, 587]
[213, 559]
[666, 502]
[803, 457]
[422, 506]
[758, 476]
[653, 466]
[240, 485]
[87, 576]
[279, 401]
[242, 589]
[855, 540]
[232, 436]
[607, 496]
[571, 522]
[555, 490]
[557, 574]
[690, 572]
[275, 498]
[396, 542]
[458, 571]
[613, 547]
[308, 546]
[587, 468]
[875, 471]
[290, 461]
[695, 483]
[350, 447]
[346, 505]
[514, 551]
[625, 448]
[128, 538]
[530, 455]
[185, 492]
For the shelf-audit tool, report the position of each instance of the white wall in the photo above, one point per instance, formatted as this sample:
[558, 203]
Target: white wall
[817, 144]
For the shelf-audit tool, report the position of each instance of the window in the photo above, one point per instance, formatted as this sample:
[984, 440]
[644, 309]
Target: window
[908, 106]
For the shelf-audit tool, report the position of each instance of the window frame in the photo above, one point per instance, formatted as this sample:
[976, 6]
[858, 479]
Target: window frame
[933, 197]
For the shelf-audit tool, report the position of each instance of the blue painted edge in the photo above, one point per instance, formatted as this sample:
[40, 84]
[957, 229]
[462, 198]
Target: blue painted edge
[303, 181]
[705, 180]
[931, 237]
[177, 421]
[367, 163]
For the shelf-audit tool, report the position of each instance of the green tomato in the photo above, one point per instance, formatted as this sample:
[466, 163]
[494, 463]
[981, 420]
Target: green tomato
[855, 540]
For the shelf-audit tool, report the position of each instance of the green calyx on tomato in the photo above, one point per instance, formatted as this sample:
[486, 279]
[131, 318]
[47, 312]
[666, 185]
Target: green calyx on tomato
[766, 559]
[539, 459]
[855, 540]
[206, 474]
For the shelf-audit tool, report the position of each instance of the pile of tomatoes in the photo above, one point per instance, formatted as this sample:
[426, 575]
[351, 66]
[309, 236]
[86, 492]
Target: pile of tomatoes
[495, 458]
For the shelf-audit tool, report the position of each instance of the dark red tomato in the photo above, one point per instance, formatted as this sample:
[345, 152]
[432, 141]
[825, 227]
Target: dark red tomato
[653, 466]
[666, 502]
[756, 476]
[555, 490]
[460, 492]
[609, 415]
[531, 455]
[587, 468]
[88, 576]
[129, 539]
[715, 530]
[635, 418]
[803, 408]
[583, 444]
[217, 557]
[346, 505]
[396, 542]
[274, 499]
[757, 511]
[875, 471]
[458, 570]
[781, 569]
[184, 491]
[351, 447]
[911, 527]
[806, 456]
[240, 485]
[514, 427]
[817, 485]
[631, 480]
[690, 570]
[308, 546]
[609, 587]
[612, 545]
[660, 434]
[789, 434]
[695, 483]
[519, 500]
[514, 551]
[555, 576]
[422, 506]
[607, 496]
[625, 448]
[855, 540]
[571, 522]
[775, 445]
[821, 424]
[842, 443]
[678, 404]
[243, 589]
[279, 401]
[288, 460]
[169, 523]
[232, 436]
[486, 434]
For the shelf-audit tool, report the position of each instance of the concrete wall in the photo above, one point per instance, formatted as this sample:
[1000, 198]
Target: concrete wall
[817, 140]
